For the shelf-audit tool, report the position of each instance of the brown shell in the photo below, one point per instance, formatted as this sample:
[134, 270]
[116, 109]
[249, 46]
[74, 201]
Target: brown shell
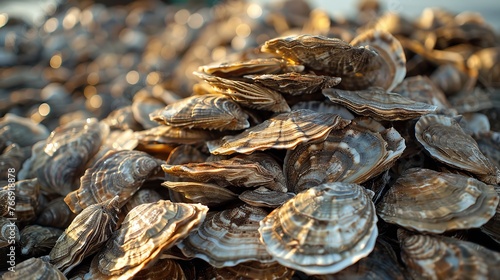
[486, 62]
[142, 106]
[422, 89]
[264, 197]
[251, 270]
[323, 229]
[446, 142]
[21, 131]
[379, 104]
[12, 156]
[430, 201]
[489, 144]
[35, 269]
[56, 214]
[284, 131]
[353, 154]
[165, 134]
[390, 54]
[8, 228]
[37, 240]
[198, 192]
[492, 227]
[119, 173]
[123, 119]
[69, 147]
[85, 235]
[295, 83]
[26, 195]
[143, 195]
[356, 66]
[253, 66]
[210, 111]
[324, 107]
[441, 257]
[246, 94]
[162, 269]
[228, 238]
[257, 169]
[146, 231]
[381, 263]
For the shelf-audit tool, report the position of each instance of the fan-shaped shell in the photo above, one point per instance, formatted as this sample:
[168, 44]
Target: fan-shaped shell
[165, 134]
[247, 94]
[440, 257]
[146, 231]
[228, 238]
[210, 111]
[22, 131]
[36, 240]
[379, 104]
[69, 147]
[353, 154]
[252, 66]
[390, 54]
[8, 230]
[35, 269]
[323, 229]
[85, 235]
[198, 192]
[430, 201]
[295, 83]
[284, 131]
[264, 197]
[119, 173]
[257, 169]
[56, 214]
[446, 142]
[356, 66]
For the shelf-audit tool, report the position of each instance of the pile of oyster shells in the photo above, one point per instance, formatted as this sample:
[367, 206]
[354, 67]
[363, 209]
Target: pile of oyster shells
[153, 141]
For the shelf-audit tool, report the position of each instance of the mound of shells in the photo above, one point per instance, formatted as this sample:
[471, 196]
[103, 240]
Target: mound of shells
[238, 141]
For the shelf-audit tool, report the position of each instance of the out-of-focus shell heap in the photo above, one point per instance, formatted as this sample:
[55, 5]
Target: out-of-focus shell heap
[430, 201]
[323, 229]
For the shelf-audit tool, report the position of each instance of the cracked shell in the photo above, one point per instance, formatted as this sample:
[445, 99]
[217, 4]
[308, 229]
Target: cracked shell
[323, 229]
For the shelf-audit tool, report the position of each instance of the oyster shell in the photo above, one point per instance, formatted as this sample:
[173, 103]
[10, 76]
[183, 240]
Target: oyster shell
[85, 235]
[284, 131]
[352, 154]
[8, 228]
[435, 202]
[197, 192]
[69, 147]
[295, 83]
[162, 269]
[391, 56]
[228, 238]
[56, 214]
[144, 105]
[324, 107]
[440, 257]
[250, 270]
[37, 240]
[492, 227]
[252, 66]
[143, 195]
[35, 269]
[147, 230]
[446, 142]
[12, 156]
[379, 104]
[21, 131]
[323, 229]
[264, 197]
[256, 169]
[246, 94]
[356, 66]
[119, 173]
[210, 111]
[165, 134]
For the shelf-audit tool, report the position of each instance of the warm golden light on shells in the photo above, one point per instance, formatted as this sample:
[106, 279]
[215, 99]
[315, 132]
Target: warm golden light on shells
[56, 61]
[181, 17]
[95, 101]
[51, 25]
[243, 30]
[132, 77]
[71, 18]
[93, 78]
[89, 91]
[44, 109]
